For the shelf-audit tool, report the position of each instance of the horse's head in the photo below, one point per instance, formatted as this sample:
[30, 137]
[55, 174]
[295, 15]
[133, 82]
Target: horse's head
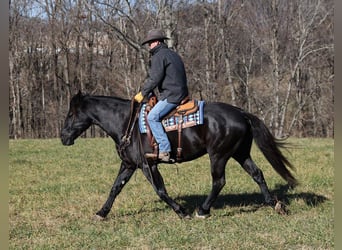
[76, 121]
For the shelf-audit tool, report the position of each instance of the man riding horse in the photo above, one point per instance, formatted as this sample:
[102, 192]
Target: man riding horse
[166, 72]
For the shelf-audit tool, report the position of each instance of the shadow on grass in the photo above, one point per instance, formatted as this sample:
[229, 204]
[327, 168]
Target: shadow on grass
[245, 202]
[250, 202]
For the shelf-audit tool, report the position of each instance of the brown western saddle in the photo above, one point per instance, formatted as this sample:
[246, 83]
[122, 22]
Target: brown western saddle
[186, 107]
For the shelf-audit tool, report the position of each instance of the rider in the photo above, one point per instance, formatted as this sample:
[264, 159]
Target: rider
[166, 72]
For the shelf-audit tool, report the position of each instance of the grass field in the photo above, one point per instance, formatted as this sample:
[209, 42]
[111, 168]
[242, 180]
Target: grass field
[55, 191]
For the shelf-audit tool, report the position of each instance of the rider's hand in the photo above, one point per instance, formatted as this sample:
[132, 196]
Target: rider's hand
[139, 97]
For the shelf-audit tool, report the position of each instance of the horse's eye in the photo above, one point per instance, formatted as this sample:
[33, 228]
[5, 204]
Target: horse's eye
[70, 114]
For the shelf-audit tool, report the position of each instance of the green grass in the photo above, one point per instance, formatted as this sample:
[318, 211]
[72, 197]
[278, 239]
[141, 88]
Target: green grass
[55, 191]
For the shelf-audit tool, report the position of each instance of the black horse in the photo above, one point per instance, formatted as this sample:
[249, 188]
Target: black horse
[227, 132]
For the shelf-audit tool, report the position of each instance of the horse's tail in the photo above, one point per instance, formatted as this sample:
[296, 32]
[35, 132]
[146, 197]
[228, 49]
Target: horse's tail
[270, 147]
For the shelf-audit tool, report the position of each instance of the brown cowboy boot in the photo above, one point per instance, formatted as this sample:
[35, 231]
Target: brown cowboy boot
[163, 156]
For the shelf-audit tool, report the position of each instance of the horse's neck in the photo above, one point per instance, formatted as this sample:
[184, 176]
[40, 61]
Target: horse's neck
[112, 116]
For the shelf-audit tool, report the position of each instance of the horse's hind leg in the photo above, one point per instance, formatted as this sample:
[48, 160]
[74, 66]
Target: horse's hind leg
[218, 181]
[251, 168]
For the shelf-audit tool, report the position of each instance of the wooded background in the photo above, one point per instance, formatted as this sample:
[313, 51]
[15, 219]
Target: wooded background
[273, 58]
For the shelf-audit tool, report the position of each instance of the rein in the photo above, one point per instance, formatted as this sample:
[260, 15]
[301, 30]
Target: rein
[126, 139]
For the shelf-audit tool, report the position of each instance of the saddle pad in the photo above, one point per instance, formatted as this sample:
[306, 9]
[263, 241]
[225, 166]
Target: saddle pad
[172, 122]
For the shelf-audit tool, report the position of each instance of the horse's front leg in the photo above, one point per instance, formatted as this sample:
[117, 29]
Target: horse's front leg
[125, 173]
[154, 177]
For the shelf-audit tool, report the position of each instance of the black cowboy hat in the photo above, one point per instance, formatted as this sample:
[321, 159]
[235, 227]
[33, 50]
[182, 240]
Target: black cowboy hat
[154, 35]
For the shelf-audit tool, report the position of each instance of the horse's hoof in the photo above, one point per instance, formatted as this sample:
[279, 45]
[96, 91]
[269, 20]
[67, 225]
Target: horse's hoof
[202, 216]
[184, 216]
[187, 217]
[97, 217]
[280, 208]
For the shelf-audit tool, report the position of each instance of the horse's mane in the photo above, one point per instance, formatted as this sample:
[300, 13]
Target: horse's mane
[103, 97]
[108, 97]
[77, 99]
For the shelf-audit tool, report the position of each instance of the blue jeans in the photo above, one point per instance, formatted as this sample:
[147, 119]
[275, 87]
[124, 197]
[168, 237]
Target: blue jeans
[161, 109]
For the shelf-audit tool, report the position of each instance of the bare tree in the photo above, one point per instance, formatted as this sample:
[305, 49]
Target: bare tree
[270, 57]
[287, 39]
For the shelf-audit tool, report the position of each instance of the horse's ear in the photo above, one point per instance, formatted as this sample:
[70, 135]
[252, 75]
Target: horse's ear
[77, 98]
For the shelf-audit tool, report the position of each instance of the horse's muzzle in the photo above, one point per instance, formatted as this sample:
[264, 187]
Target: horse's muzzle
[66, 139]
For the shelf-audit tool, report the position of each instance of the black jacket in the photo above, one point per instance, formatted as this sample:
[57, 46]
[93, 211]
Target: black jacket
[167, 72]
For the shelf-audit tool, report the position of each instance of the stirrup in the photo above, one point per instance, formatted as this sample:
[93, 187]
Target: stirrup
[163, 157]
